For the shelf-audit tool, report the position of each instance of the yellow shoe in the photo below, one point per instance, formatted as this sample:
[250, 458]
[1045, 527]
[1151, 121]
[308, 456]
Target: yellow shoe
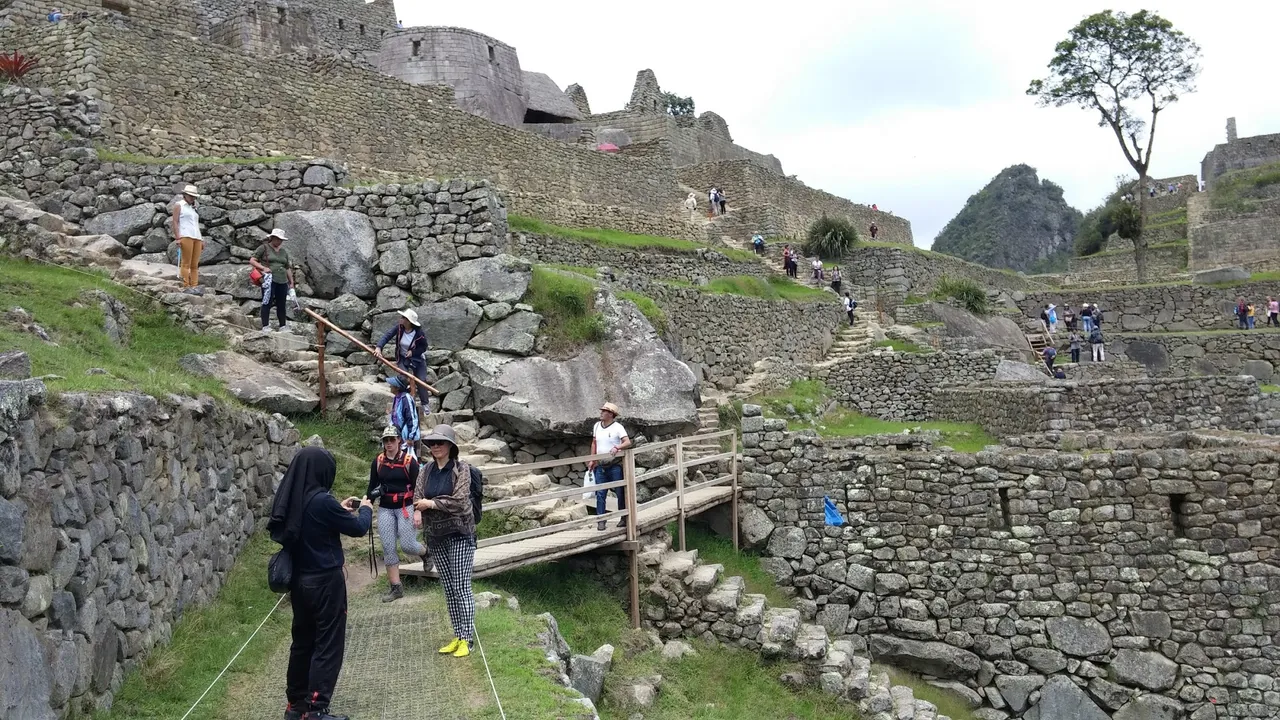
[451, 647]
[463, 649]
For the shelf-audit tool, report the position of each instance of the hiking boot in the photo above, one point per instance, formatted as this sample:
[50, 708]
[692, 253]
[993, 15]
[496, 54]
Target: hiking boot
[395, 593]
[451, 647]
[601, 525]
[323, 715]
[622, 522]
[292, 713]
[464, 649]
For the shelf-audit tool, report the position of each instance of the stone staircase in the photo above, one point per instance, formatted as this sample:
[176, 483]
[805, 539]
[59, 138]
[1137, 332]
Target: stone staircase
[853, 340]
[685, 598]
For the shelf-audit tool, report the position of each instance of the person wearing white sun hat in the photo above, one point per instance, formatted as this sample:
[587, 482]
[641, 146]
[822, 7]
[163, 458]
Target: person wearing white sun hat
[186, 232]
[274, 261]
[410, 349]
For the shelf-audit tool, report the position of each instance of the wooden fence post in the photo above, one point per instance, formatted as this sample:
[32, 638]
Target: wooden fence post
[733, 470]
[320, 333]
[680, 488]
[629, 472]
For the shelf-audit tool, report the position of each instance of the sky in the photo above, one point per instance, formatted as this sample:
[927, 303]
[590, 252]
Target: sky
[912, 105]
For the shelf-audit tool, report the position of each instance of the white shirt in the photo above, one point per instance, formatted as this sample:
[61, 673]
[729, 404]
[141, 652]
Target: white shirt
[608, 438]
[848, 304]
[406, 343]
[188, 221]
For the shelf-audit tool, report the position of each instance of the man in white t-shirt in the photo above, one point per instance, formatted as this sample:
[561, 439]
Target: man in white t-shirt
[608, 436]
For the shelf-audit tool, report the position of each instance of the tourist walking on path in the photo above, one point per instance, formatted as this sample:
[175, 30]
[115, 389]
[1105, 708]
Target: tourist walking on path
[713, 201]
[849, 305]
[186, 231]
[273, 260]
[874, 229]
[789, 261]
[404, 415]
[724, 204]
[1097, 316]
[1086, 317]
[817, 271]
[309, 522]
[1044, 318]
[1068, 317]
[410, 351]
[392, 477]
[1249, 315]
[449, 525]
[1242, 314]
[608, 436]
[757, 243]
[1053, 318]
[691, 204]
[1273, 312]
[1095, 342]
[836, 279]
[1074, 339]
[1050, 354]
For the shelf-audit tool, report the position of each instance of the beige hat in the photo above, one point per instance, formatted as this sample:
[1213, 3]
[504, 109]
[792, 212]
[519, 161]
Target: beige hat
[278, 233]
[441, 432]
[191, 190]
[610, 408]
[412, 316]
[390, 432]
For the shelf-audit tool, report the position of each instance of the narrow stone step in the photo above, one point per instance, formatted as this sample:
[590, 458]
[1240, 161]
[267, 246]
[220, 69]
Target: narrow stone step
[727, 595]
[904, 702]
[678, 563]
[703, 579]
[811, 642]
[926, 710]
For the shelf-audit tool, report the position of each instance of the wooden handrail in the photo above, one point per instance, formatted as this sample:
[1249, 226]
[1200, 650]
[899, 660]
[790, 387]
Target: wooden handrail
[330, 327]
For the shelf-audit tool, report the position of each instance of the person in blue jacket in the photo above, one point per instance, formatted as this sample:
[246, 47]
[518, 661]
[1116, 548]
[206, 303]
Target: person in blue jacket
[404, 416]
[411, 350]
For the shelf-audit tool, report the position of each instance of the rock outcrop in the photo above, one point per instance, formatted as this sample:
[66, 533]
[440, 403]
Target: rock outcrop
[336, 249]
[259, 385]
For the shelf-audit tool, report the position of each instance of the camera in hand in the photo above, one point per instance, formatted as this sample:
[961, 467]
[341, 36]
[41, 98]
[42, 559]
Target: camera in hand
[375, 493]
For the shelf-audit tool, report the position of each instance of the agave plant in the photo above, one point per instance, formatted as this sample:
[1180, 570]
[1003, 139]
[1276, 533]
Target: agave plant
[14, 66]
[830, 238]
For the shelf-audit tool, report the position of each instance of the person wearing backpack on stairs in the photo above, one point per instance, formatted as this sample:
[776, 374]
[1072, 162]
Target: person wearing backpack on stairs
[450, 508]
[392, 476]
[1095, 342]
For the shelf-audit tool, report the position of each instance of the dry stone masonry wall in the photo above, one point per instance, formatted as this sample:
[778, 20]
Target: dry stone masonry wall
[1138, 578]
[651, 263]
[902, 386]
[118, 512]
[1239, 353]
[907, 271]
[1158, 308]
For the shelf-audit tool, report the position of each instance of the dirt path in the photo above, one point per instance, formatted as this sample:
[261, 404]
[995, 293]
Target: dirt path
[391, 670]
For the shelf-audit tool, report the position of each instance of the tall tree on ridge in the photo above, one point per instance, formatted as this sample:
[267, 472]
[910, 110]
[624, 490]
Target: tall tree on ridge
[1116, 64]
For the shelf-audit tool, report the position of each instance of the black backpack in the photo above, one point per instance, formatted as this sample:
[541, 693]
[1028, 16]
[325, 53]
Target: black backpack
[477, 496]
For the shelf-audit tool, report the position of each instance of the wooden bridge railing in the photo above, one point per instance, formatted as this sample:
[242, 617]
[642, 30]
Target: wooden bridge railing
[323, 327]
[629, 481]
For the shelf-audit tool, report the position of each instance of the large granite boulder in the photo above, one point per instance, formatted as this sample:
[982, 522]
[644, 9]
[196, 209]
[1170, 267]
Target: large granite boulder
[1144, 669]
[367, 401]
[1014, 371]
[1233, 273]
[347, 311]
[539, 398]
[1152, 355]
[14, 365]
[26, 682]
[262, 386]
[932, 658]
[1062, 699]
[122, 224]
[335, 248]
[502, 278]
[994, 331]
[514, 334]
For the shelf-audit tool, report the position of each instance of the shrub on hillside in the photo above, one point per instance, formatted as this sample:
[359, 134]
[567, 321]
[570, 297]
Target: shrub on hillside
[830, 238]
[968, 293]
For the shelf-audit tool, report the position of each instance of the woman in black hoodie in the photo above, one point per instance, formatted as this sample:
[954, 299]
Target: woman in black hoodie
[308, 521]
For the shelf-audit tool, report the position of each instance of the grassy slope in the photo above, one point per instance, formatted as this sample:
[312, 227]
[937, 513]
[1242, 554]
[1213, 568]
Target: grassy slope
[567, 305]
[149, 363]
[618, 239]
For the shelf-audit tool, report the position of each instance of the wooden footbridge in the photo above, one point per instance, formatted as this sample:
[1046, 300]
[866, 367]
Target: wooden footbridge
[551, 542]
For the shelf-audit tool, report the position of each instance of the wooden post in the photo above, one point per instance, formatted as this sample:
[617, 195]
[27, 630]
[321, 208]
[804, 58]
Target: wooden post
[629, 473]
[680, 488]
[733, 470]
[320, 333]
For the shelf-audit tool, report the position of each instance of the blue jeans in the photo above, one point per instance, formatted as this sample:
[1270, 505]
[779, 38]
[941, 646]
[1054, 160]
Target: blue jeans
[1088, 323]
[418, 369]
[608, 474]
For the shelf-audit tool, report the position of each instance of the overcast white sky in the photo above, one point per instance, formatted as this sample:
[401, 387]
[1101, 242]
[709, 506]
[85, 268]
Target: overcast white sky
[912, 105]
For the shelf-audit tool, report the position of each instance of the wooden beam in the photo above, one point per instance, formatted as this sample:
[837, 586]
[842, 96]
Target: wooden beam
[321, 320]
[320, 333]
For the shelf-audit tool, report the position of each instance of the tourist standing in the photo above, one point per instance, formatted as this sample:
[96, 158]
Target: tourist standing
[1086, 317]
[1068, 317]
[392, 476]
[273, 260]
[1273, 312]
[404, 415]
[308, 521]
[410, 350]
[849, 305]
[186, 231]
[724, 204]
[1044, 318]
[691, 204]
[1242, 314]
[874, 229]
[1097, 316]
[757, 243]
[608, 436]
[449, 524]
[789, 261]
[1050, 354]
[1095, 342]
[1249, 310]
[712, 201]
[836, 279]
[817, 270]
[1073, 338]
[1053, 318]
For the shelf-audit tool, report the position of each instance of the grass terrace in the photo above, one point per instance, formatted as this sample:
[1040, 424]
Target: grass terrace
[656, 316]
[619, 239]
[109, 155]
[774, 287]
[567, 304]
[903, 345]
[1241, 190]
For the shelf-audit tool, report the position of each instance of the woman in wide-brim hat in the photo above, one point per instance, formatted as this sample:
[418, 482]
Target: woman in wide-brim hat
[410, 350]
[449, 515]
[186, 232]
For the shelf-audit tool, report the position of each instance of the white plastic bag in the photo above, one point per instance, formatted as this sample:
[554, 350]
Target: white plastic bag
[588, 481]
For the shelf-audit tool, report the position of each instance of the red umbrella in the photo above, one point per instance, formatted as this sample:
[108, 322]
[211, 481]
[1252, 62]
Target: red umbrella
[607, 147]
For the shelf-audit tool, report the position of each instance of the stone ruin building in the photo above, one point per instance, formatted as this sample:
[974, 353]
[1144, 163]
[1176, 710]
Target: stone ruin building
[1114, 556]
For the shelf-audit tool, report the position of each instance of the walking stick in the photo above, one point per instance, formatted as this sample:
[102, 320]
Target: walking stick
[373, 566]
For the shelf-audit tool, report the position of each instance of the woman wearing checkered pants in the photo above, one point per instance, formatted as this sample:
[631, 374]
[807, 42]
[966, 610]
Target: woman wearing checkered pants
[449, 524]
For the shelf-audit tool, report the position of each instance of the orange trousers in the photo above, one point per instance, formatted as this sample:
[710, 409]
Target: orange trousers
[189, 264]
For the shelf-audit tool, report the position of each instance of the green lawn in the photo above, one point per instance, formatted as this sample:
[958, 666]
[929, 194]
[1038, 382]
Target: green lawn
[772, 288]
[149, 363]
[1269, 388]
[353, 445]
[617, 238]
[568, 308]
[1240, 190]
[174, 675]
[713, 548]
[108, 155]
[588, 615]
[949, 703]
[903, 345]
[520, 668]
[656, 316]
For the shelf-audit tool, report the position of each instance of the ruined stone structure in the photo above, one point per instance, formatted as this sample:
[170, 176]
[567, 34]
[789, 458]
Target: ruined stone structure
[1239, 153]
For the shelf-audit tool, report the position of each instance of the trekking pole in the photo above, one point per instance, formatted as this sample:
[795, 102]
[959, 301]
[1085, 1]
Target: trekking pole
[373, 567]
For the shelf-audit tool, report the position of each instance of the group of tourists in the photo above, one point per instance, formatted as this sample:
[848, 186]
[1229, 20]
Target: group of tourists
[1090, 317]
[1245, 311]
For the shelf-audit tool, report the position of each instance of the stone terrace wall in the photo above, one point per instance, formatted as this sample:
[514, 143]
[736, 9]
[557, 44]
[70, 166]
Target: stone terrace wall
[37, 127]
[328, 107]
[117, 513]
[918, 272]
[723, 336]
[651, 263]
[1238, 353]
[1114, 405]
[794, 204]
[1227, 238]
[1161, 308]
[1239, 154]
[690, 144]
[1151, 568]
[1163, 262]
[902, 386]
